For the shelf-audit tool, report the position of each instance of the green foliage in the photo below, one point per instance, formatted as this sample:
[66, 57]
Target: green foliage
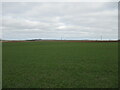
[60, 65]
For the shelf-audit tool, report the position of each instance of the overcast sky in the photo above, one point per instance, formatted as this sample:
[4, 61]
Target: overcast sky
[76, 20]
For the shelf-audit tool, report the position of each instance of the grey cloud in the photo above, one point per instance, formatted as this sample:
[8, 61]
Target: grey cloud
[52, 20]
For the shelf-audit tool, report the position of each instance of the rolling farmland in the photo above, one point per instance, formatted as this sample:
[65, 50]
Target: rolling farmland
[60, 64]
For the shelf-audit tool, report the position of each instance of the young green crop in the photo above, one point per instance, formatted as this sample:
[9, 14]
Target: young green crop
[60, 65]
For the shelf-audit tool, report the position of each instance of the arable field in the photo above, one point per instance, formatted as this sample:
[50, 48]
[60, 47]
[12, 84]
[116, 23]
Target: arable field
[60, 64]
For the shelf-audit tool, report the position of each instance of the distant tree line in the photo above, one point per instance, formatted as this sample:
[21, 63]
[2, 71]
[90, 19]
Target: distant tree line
[34, 40]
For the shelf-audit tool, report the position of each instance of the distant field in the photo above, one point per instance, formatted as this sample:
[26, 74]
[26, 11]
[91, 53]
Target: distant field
[60, 65]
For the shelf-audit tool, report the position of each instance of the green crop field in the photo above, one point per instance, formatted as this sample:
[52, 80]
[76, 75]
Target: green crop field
[60, 64]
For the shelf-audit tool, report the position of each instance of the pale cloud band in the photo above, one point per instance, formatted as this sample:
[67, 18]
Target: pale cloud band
[53, 20]
[60, 0]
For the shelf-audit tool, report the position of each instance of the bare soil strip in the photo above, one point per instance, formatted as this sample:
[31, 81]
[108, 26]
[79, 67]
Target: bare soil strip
[61, 41]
